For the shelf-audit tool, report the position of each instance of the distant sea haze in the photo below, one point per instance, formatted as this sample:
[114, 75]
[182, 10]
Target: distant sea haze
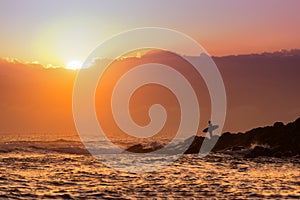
[260, 89]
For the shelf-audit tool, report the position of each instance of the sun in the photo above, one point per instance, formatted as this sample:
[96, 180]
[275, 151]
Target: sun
[74, 64]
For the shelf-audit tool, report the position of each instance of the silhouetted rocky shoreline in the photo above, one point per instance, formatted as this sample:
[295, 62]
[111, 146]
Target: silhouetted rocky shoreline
[279, 140]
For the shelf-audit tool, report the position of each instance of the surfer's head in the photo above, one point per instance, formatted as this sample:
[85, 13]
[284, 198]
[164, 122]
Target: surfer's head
[209, 121]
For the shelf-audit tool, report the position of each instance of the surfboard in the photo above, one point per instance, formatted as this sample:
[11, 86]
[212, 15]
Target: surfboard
[214, 127]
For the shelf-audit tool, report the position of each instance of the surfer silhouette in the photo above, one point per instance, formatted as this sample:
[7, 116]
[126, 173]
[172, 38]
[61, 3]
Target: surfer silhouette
[210, 129]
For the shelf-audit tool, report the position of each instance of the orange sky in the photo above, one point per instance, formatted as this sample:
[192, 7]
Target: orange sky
[260, 90]
[55, 34]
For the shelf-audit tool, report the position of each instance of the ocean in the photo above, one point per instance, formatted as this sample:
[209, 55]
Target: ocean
[60, 168]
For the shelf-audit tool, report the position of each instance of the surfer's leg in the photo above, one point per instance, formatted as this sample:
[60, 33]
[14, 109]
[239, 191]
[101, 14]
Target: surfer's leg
[210, 134]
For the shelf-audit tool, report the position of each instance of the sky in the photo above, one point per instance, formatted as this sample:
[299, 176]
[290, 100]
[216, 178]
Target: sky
[36, 34]
[260, 90]
[57, 32]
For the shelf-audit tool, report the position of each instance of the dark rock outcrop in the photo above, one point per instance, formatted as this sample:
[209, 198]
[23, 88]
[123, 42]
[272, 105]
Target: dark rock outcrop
[195, 146]
[138, 148]
[281, 140]
[259, 151]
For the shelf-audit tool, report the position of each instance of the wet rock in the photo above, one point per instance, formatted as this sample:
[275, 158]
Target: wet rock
[237, 148]
[194, 148]
[259, 151]
[278, 154]
[138, 148]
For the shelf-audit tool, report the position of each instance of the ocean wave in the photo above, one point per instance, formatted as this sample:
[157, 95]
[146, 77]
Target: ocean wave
[59, 146]
[65, 146]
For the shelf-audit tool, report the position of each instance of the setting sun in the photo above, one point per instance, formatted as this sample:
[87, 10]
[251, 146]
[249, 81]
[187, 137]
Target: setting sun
[74, 64]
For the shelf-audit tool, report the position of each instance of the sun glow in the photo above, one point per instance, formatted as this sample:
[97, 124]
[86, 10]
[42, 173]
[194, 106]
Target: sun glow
[74, 65]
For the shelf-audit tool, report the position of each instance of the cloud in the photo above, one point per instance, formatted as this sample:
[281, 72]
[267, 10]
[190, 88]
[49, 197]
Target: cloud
[35, 63]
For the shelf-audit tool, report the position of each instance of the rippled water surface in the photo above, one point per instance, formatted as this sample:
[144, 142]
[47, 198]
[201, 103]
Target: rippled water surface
[30, 175]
